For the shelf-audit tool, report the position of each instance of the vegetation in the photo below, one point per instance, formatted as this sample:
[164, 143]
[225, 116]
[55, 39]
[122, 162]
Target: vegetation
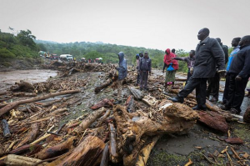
[23, 45]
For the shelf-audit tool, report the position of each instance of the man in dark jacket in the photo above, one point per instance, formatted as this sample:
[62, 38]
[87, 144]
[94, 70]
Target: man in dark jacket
[145, 69]
[208, 55]
[122, 74]
[239, 73]
[214, 82]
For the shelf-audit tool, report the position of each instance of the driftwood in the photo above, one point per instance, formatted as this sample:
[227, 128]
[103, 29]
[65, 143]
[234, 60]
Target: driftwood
[145, 152]
[6, 130]
[31, 135]
[101, 120]
[102, 103]
[25, 149]
[22, 86]
[24, 94]
[246, 116]
[104, 85]
[57, 149]
[10, 106]
[87, 153]
[175, 118]
[105, 156]
[89, 120]
[136, 93]
[130, 104]
[15, 160]
[113, 144]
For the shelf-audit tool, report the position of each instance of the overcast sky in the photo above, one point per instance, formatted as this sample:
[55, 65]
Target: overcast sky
[158, 24]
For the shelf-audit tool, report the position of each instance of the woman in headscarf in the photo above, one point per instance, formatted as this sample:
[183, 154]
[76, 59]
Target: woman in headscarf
[171, 66]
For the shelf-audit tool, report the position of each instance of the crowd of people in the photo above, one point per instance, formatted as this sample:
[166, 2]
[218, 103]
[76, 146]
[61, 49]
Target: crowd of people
[206, 66]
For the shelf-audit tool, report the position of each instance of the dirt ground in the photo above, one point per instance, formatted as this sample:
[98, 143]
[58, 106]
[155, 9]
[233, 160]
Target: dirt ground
[202, 145]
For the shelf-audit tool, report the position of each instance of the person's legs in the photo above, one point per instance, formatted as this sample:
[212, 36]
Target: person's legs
[225, 93]
[188, 75]
[231, 90]
[239, 94]
[201, 93]
[141, 80]
[192, 84]
[215, 88]
[119, 93]
[146, 80]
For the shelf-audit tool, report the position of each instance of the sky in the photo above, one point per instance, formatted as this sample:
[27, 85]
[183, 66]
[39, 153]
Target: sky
[157, 24]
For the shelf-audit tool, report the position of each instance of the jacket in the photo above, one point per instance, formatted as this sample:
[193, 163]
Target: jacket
[145, 64]
[122, 69]
[231, 57]
[240, 63]
[209, 54]
[190, 61]
[168, 59]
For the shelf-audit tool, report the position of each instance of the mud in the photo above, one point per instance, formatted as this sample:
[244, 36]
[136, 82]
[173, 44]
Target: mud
[33, 76]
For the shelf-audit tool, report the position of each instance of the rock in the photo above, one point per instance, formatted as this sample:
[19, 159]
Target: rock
[234, 140]
[246, 116]
[213, 120]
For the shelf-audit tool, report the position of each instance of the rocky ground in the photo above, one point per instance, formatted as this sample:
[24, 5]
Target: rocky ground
[202, 145]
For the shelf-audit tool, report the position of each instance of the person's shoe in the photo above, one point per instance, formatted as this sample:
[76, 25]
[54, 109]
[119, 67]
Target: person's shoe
[118, 102]
[234, 111]
[177, 99]
[224, 107]
[204, 108]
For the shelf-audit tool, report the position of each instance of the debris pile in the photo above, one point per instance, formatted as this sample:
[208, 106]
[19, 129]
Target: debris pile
[32, 133]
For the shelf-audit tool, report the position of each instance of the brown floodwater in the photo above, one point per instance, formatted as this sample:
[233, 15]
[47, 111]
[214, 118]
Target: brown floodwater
[9, 78]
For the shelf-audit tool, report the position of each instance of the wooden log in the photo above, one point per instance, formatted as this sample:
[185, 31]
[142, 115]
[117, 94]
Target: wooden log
[145, 152]
[104, 85]
[88, 121]
[102, 103]
[31, 136]
[24, 149]
[175, 118]
[136, 93]
[176, 91]
[57, 149]
[105, 156]
[24, 94]
[130, 104]
[6, 130]
[15, 160]
[23, 86]
[87, 153]
[101, 120]
[113, 144]
[10, 106]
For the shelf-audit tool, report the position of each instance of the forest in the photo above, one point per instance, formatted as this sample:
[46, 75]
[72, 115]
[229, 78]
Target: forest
[25, 45]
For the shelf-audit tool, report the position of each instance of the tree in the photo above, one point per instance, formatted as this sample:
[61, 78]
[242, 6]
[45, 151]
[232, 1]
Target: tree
[27, 39]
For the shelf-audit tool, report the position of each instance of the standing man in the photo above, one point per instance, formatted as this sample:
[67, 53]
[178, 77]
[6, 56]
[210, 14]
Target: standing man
[239, 73]
[209, 54]
[145, 69]
[122, 74]
[137, 69]
[214, 82]
[235, 45]
[190, 62]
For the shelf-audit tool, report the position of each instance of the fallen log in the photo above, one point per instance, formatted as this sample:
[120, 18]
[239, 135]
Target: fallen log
[246, 116]
[101, 120]
[145, 152]
[105, 156]
[6, 130]
[176, 91]
[175, 118]
[213, 120]
[57, 149]
[88, 121]
[22, 86]
[104, 85]
[113, 144]
[87, 153]
[136, 93]
[102, 103]
[24, 149]
[130, 104]
[15, 160]
[31, 135]
[10, 106]
[24, 94]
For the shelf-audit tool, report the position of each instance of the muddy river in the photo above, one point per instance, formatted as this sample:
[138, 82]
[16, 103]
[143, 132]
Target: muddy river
[33, 76]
